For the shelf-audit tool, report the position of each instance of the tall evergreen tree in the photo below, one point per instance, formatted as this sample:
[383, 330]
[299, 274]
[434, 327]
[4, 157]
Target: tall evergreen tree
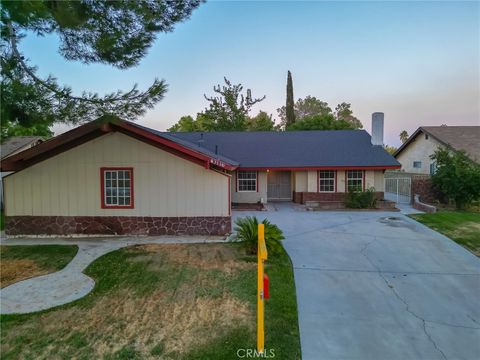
[290, 112]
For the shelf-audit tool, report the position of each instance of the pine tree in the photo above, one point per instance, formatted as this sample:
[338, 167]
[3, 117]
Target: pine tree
[290, 112]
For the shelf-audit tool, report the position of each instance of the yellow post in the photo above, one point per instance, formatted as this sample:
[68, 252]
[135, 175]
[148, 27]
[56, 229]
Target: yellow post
[261, 257]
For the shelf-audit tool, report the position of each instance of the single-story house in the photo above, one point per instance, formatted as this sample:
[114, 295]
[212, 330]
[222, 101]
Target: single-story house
[118, 177]
[414, 154]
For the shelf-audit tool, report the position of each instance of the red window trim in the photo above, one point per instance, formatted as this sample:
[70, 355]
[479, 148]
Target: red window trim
[102, 188]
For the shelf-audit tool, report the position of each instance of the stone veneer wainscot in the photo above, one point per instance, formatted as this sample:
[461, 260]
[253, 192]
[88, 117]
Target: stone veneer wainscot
[117, 225]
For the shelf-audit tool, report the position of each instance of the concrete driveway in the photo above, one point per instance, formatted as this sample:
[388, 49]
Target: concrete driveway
[378, 285]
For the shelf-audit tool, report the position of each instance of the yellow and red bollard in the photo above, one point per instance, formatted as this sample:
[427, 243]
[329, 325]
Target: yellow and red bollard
[262, 288]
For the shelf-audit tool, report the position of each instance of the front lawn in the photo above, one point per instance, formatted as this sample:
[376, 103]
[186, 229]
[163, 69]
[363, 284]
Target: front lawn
[462, 227]
[26, 261]
[189, 301]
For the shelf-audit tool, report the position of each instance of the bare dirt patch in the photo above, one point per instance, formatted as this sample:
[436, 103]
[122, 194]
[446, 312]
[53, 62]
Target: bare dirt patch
[12, 271]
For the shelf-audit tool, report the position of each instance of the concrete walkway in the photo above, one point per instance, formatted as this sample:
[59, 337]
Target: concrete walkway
[378, 285]
[69, 284]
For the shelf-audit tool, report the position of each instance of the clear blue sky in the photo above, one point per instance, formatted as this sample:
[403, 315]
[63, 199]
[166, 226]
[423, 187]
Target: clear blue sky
[419, 62]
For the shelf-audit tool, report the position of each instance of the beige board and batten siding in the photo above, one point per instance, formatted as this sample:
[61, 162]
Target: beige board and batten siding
[250, 197]
[68, 184]
[419, 149]
[300, 183]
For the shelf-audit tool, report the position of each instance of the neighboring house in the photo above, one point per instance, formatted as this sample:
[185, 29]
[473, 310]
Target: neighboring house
[123, 178]
[13, 146]
[17, 144]
[414, 154]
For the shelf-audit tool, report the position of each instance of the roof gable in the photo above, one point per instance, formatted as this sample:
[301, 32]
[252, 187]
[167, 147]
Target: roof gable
[91, 130]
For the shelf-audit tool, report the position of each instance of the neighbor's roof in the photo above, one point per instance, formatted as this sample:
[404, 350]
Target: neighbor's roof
[294, 149]
[465, 138]
[15, 143]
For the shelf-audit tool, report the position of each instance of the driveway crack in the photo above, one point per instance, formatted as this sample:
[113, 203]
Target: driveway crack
[363, 251]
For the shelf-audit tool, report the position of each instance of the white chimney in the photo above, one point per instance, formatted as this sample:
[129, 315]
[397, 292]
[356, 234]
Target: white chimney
[377, 128]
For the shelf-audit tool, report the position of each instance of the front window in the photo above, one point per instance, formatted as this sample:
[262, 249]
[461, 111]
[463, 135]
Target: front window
[117, 188]
[354, 180]
[433, 168]
[326, 181]
[417, 164]
[246, 181]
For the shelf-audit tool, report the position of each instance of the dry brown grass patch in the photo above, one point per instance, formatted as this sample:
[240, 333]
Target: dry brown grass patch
[179, 324]
[14, 270]
[180, 319]
[201, 256]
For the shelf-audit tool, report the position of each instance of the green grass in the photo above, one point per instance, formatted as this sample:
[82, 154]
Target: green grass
[26, 261]
[144, 280]
[54, 257]
[461, 226]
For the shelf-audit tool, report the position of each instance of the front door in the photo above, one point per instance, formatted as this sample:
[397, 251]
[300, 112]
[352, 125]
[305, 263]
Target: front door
[279, 185]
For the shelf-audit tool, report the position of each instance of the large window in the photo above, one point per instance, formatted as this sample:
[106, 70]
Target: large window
[246, 180]
[117, 188]
[354, 180]
[417, 164]
[326, 181]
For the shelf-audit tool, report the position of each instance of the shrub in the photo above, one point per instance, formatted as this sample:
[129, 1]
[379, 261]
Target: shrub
[457, 177]
[247, 232]
[361, 199]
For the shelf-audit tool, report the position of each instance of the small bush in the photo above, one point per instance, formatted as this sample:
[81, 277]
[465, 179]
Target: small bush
[361, 199]
[247, 232]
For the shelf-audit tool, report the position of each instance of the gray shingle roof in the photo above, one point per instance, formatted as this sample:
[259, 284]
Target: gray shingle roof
[15, 143]
[190, 145]
[291, 148]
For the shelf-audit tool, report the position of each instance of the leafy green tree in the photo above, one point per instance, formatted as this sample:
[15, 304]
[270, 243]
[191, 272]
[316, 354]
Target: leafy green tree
[290, 104]
[309, 106]
[457, 177]
[312, 107]
[9, 130]
[117, 33]
[390, 149]
[343, 112]
[403, 136]
[261, 122]
[320, 122]
[228, 109]
[187, 123]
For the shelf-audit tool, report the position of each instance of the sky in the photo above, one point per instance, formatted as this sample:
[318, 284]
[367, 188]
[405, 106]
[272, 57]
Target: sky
[418, 62]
